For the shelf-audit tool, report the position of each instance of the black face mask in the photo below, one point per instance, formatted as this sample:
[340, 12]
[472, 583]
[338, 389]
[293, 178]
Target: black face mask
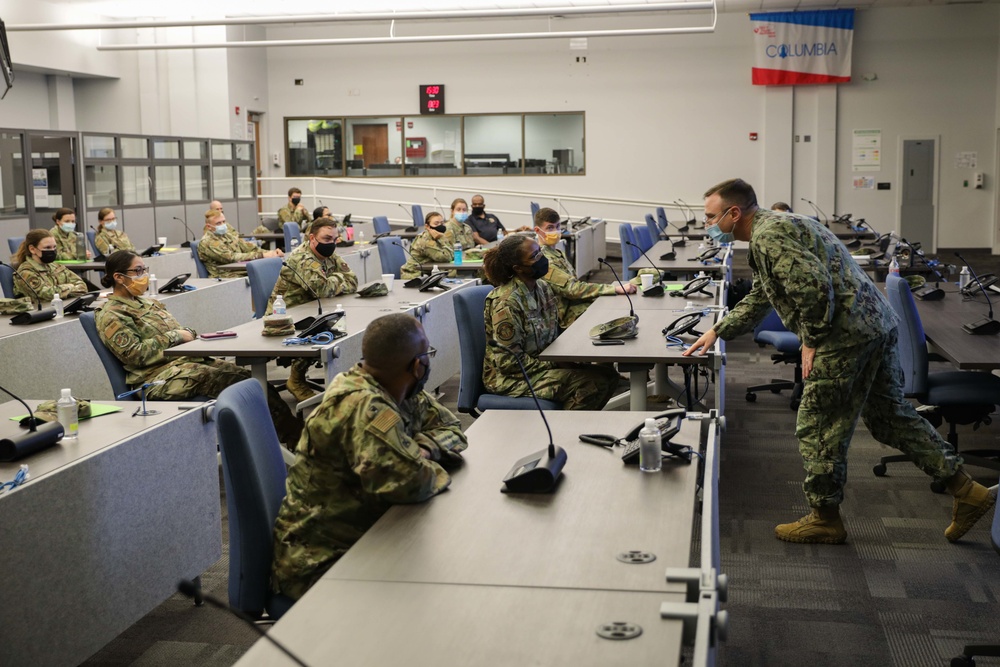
[478, 210]
[539, 268]
[49, 256]
[421, 383]
[295, 201]
[326, 249]
[440, 229]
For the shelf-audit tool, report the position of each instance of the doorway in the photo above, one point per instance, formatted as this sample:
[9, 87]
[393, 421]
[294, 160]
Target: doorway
[374, 142]
[53, 177]
[919, 184]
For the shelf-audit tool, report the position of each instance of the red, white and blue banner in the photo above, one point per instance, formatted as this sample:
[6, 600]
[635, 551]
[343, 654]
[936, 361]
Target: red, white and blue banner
[802, 47]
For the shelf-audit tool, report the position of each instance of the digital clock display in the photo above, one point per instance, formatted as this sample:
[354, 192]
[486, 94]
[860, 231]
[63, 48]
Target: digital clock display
[432, 99]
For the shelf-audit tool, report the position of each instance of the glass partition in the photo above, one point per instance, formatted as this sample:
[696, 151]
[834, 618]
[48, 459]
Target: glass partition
[493, 145]
[12, 182]
[99, 147]
[168, 183]
[166, 150]
[195, 182]
[432, 145]
[135, 148]
[244, 182]
[135, 185]
[195, 150]
[554, 141]
[375, 146]
[315, 147]
[222, 182]
[222, 150]
[102, 185]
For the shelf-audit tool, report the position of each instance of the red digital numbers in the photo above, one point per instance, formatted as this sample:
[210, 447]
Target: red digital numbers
[433, 104]
[433, 90]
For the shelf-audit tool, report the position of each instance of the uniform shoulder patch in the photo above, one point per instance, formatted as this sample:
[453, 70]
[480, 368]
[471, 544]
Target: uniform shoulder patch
[505, 332]
[385, 420]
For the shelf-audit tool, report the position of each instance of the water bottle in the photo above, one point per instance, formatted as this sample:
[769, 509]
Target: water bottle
[152, 285]
[894, 266]
[650, 448]
[349, 231]
[341, 324]
[435, 269]
[963, 278]
[81, 246]
[361, 236]
[279, 307]
[458, 253]
[57, 303]
[499, 234]
[67, 415]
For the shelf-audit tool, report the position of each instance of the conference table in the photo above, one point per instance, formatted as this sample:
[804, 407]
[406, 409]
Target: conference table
[942, 321]
[474, 576]
[171, 261]
[104, 528]
[685, 261]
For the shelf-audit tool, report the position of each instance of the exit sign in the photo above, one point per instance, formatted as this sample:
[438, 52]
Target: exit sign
[432, 99]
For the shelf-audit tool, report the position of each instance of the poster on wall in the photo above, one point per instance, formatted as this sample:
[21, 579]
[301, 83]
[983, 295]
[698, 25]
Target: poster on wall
[40, 187]
[866, 150]
[794, 48]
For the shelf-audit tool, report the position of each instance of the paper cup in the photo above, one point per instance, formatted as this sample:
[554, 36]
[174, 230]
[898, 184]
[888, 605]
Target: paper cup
[647, 280]
[161, 240]
[387, 278]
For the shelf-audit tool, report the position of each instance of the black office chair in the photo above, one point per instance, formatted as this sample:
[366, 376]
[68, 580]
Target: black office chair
[771, 331]
[960, 397]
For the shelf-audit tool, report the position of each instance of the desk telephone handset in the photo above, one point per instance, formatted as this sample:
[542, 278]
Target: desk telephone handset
[708, 254]
[669, 425]
[682, 325]
[312, 326]
[972, 288]
[693, 287]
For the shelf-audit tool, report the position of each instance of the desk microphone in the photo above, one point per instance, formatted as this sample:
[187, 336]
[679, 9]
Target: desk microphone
[986, 326]
[319, 303]
[657, 289]
[40, 314]
[538, 472]
[412, 282]
[186, 244]
[820, 215]
[41, 435]
[409, 213]
[631, 310]
[382, 235]
[190, 589]
[928, 293]
[692, 220]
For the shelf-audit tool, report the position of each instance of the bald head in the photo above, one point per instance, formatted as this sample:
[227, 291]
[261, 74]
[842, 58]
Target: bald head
[391, 343]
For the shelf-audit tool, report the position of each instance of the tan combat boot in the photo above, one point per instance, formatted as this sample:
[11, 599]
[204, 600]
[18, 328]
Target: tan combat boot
[821, 526]
[296, 384]
[972, 501]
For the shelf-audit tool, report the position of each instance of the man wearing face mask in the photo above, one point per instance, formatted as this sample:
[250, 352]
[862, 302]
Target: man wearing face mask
[850, 359]
[485, 226]
[312, 268]
[432, 246]
[294, 211]
[218, 247]
[575, 296]
[376, 440]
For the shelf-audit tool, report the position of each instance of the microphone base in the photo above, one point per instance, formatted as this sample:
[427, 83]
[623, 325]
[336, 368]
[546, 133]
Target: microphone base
[34, 316]
[413, 282]
[535, 473]
[655, 290]
[26, 444]
[668, 256]
[983, 327]
[679, 244]
[186, 244]
[929, 293]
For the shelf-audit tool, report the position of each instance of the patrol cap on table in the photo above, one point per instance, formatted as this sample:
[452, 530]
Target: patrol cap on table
[278, 325]
[46, 410]
[915, 281]
[375, 289]
[15, 306]
[621, 327]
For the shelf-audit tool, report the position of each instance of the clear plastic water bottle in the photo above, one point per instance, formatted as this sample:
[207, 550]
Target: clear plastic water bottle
[499, 234]
[67, 415]
[279, 307]
[964, 278]
[341, 324]
[153, 286]
[458, 254]
[57, 303]
[894, 266]
[650, 447]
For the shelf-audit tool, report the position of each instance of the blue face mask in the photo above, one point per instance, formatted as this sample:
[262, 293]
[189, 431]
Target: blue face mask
[221, 229]
[67, 226]
[716, 234]
[462, 217]
[111, 226]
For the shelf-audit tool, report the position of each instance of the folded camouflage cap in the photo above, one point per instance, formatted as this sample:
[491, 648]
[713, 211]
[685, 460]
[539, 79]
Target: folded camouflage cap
[375, 289]
[622, 327]
[14, 306]
[915, 281]
[46, 411]
[278, 325]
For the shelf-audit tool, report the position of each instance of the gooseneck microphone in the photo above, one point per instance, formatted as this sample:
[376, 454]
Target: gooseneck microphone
[631, 310]
[412, 282]
[692, 220]
[40, 314]
[986, 326]
[190, 589]
[41, 435]
[409, 213]
[305, 283]
[538, 472]
[654, 290]
[186, 244]
[820, 215]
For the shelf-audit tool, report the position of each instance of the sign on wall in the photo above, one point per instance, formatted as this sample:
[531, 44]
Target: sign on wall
[802, 47]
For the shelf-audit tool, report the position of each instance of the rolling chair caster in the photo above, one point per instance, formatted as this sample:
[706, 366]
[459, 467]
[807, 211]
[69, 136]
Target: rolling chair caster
[751, 397]
[879, 469]
[937, 487]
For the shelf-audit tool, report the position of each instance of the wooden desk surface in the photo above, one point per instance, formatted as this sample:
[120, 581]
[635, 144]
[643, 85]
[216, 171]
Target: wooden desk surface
[474, 534]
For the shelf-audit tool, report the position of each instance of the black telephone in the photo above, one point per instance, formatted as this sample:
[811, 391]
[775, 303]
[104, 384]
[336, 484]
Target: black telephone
[669, 424]
[311, 326]
[175, 284]
[151, 250]
[80, 303]
[972, 288]
[706, 255]
[693, 287]
[683, 324]
[425, 283]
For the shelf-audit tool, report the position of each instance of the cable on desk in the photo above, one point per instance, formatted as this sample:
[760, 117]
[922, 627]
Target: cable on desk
[20, 478]
[324, 338]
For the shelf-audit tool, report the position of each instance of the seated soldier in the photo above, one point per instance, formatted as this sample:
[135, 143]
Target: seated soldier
[108, 237]
[218, 247]
[64, 232]
[44, 279]
[432, 246]
[294, 211]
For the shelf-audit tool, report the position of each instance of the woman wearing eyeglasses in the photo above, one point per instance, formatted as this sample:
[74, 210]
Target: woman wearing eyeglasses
[137, 330]
[109, 238]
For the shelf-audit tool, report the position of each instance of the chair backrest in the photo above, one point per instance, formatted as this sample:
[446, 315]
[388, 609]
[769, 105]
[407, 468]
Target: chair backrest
[654, 230]
[254, 476]
[643, 237]
[381, 224]
[270, 223]
[113, 367]
[534, 209]
[198, 264]
[263, 274]
[14, 242]
[771, 322]
[7, 281]
[469, 304]
[293, 235]
[912, 344]
[391, 255]
[629, 254]
[92, 240]
[661, 218]
[418, 215]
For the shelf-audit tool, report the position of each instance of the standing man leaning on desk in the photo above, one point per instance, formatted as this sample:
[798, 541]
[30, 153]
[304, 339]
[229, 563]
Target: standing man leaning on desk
[218, 247]
[575, 296]
[485, 226]
[294, 211]
[312, 268]
[376, 440]
[850, 360]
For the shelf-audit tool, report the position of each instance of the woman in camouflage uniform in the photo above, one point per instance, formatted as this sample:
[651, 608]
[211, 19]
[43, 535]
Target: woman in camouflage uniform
[431, 247]
[109, 238]
[34, 266]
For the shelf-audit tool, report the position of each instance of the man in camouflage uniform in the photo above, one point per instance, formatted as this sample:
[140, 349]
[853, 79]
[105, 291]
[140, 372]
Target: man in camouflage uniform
[575, 296]
[294, 211]
[523, 315]
[432, 246]
[376, 440]
[218, 246]
[311, 269]
[850, 361]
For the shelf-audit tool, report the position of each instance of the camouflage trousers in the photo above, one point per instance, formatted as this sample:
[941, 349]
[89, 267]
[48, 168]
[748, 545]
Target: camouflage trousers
[867, 381]
[578, 387]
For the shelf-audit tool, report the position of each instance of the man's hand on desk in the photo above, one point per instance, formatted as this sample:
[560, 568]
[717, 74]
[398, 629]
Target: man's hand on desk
[277, 252]
[704, 344]
[629, 288]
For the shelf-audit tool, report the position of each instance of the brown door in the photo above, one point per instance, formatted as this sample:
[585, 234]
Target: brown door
[253, 120]
[374, 142]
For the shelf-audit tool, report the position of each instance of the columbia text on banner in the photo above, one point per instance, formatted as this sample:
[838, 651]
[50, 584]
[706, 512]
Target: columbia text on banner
[802, 47]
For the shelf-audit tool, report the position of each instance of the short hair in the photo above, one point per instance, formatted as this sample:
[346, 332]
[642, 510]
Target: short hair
[546, 215]
[118, 262]
[292, 191]
[32, 238]
[499, 261]
[318, 212]
[62, 213]
[781, 206]
[320, 223]
[212, 214]
[432, 214]
[458, 201]
[480, 196]
[734, 192]
[391, 342]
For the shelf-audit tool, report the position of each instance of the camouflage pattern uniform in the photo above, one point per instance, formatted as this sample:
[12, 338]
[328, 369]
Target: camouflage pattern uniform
[289, 213]
[459, 232]
[823, 296]
[359, 454]
[112, 238]
[215, 250]
[327, 277]
[575, 296]
[527, 321]
[427, 250]
[137, 331]
[47, 279]
[65, 243]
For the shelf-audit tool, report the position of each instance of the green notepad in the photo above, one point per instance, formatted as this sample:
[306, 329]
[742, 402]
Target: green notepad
[71, 261]
[673, 288]
[96, 410]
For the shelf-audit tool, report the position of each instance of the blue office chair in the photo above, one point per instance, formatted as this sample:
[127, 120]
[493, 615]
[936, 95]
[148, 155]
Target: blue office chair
[418, 215]
[263, 274]
[253, 472]
[293, 235]
[652, 228]
[92, 240]
[113, 367]
[643, 237]
[391, 255]
[7, 282]
[661, 219]
[534, 209]
[14, 242]
[629, 254]
[472, 396]
[960, 397]
[198, 264]
[771, 331]
[381, 224]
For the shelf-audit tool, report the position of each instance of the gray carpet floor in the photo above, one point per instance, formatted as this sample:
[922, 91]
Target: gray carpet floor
[896, 594]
